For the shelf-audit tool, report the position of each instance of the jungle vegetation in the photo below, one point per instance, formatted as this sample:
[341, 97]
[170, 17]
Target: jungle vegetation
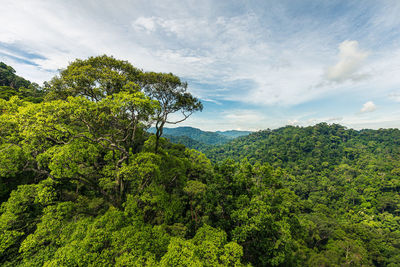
[83, 182]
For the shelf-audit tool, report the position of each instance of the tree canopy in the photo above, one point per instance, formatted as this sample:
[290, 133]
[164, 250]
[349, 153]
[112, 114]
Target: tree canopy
[98, 77]
[82, 183]
[94, 78]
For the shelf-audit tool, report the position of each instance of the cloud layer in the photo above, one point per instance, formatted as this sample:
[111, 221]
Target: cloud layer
[253, 58]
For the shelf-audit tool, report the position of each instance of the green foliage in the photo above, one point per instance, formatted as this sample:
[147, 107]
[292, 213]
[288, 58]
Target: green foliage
[80, 140]
[14, 85]
[82, 183]
[198, 139]
[346, 181]
[207, 248]
[98, 77]
[94, 78]
[20, 213]
[177, 134]
[173, 96]
[9, 78]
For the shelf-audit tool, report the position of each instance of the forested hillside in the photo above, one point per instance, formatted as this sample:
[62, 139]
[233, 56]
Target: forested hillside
[178, 134]
[348, 182]
[12, 84]
[208, 138]
[83, 182]
[234, 133]
[317, 144]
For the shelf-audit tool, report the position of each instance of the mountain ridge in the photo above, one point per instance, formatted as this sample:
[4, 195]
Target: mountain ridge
[198, 135]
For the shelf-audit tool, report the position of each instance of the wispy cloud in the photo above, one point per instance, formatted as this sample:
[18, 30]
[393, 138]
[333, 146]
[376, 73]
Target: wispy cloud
[395, 96]
[293, 122]
[257, 54]
[147, 24]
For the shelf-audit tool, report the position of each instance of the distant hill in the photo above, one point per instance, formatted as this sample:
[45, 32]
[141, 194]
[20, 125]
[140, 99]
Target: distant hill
[234, 133]
[189, 142]
[196, 138]
[314, 145]
[9, 78]
[12, 84]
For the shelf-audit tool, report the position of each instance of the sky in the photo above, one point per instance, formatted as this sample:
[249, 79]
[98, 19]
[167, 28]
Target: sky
[253, 64]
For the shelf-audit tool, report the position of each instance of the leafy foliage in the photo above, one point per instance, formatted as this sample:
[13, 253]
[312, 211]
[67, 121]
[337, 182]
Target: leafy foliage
[82, 183]
[12, 84]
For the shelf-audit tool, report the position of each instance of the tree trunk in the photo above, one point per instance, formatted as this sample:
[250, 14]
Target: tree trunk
[159, 132]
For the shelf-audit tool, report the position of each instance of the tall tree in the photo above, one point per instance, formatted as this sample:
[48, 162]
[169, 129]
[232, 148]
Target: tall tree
[98, 77]
[173, 96]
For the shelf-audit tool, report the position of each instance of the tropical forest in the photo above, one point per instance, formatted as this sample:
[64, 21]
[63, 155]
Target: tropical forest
[92, 174]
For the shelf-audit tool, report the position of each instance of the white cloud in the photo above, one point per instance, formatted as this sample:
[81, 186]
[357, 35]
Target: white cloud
[237, 119]
[334, 119]
[368, 107]
[351, 59]
[376, 120]
[256, 57]
[143, 23]
[242, 117]
[217, 49]
[35, 73]
[395, 96]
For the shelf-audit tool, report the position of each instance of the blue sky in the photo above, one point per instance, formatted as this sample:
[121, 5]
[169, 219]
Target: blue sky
[254, 64]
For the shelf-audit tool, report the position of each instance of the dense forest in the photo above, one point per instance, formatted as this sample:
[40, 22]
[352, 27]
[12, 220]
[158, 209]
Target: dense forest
[84, 183]
[210, 138]
[194, 138]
